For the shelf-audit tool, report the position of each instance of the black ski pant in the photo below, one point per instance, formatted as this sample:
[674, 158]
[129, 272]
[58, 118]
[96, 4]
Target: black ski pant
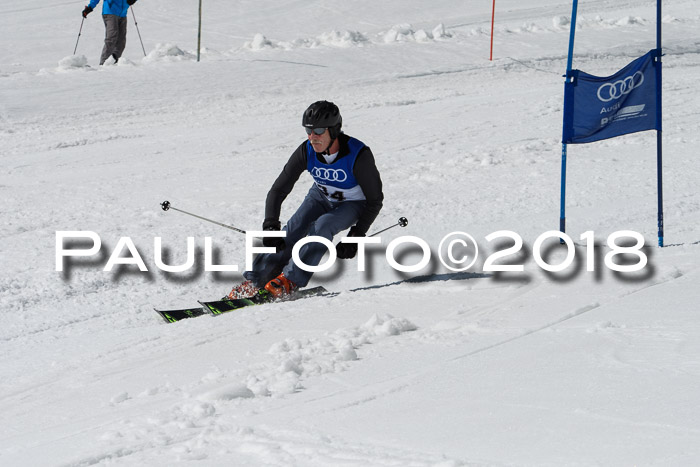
[115, 37]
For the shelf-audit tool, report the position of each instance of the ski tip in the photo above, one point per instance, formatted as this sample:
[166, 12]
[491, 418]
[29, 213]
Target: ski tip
[173, 316]
[164, 315]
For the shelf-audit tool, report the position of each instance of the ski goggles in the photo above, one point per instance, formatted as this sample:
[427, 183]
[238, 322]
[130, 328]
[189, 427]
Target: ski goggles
[317, 131]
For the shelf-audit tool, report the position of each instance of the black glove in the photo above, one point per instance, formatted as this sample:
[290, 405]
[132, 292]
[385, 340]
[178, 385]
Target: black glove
[130, 2]
[275, 242]
[348, 250]
[86, 11]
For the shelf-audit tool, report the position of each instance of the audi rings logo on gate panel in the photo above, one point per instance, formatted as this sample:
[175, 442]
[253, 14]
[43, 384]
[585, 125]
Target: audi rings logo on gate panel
[331, 175]
[619, 88]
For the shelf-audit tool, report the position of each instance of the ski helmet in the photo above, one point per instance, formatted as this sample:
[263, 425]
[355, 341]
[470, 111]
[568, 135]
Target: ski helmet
[323, 114]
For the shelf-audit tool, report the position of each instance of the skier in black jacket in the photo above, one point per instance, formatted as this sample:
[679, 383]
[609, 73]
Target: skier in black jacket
[347, 193]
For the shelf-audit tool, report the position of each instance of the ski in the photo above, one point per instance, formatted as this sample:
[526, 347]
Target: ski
[172, 316]
[218, 307]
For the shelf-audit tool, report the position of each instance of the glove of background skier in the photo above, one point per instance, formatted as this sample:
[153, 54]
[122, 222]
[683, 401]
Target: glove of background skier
[275, 242]
[348, 250]
[130, 2]
[86, 11]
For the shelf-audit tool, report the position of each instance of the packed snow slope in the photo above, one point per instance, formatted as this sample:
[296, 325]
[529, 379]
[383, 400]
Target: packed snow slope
[432, 367]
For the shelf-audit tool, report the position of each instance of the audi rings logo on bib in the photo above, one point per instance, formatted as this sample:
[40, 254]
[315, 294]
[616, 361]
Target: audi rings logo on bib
[330, 175]
[611, 91]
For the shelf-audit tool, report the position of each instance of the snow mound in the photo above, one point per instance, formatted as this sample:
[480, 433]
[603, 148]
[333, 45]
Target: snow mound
[561, 22]
[333, 38]
[341, 39]
[630, 20]
[295, 359]
[228, 392]
[347, 38]
[167, 53]
[119, 398]
[123, 61]
[388, 325]
[406, 33]
[72, 62]
[668, 19]
[529, 28]
[259, 42]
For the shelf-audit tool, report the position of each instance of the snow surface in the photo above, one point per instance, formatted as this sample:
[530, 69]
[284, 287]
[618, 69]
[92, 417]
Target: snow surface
[429, 368]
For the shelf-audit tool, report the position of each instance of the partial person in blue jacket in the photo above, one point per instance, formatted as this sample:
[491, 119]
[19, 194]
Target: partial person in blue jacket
[114, 16]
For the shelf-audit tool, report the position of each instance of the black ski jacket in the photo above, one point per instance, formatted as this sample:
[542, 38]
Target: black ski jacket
[365, 172]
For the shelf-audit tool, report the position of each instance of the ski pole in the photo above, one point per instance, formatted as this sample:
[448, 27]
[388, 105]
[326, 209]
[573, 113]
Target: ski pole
[79, 32]
[199, 31]
[137, 30]
[166, 205]
[403, 222]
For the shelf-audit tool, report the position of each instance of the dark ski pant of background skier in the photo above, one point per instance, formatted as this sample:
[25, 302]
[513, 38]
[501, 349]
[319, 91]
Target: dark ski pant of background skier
[115, 37]
[316, 216]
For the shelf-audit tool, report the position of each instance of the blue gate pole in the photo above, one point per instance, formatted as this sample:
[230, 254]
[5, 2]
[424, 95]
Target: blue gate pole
[562, 209]
[569, 61]
[659, 127]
